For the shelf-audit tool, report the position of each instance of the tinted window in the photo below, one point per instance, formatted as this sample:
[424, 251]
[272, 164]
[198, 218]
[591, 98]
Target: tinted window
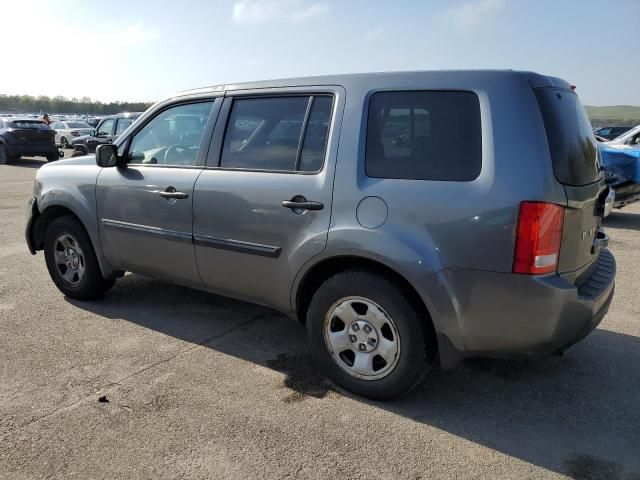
[77, 125]
[573, 147]
[315, 138]
[30, 124]
[264, 133]
[172, 137]
[424, 135]
[123, 124]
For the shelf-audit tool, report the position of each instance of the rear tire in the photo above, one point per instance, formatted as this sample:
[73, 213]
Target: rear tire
[397, 347]
[71, 260]
[64, 143]
[52, 158]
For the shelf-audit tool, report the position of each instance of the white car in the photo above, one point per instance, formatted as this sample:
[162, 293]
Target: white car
[66, 131]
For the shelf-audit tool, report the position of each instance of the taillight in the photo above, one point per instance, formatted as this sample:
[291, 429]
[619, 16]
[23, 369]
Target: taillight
[75, 134]
[538, 238]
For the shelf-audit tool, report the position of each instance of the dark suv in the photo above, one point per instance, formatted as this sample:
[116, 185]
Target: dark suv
[107, 131]
[31, 137]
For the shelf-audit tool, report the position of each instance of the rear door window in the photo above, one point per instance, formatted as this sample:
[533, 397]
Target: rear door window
[572, 145]
[277, 134]
[424, 135]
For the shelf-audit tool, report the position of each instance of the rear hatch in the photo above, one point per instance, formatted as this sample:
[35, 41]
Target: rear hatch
[576, 165]
[32, 133]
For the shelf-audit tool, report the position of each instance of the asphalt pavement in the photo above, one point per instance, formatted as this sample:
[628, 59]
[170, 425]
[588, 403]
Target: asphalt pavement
[160, 381]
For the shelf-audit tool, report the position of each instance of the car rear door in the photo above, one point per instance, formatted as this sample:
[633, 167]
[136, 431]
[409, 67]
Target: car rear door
[145, 208]
[262, 207]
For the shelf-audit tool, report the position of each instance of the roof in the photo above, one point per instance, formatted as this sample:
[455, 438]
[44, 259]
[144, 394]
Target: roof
[356, 78]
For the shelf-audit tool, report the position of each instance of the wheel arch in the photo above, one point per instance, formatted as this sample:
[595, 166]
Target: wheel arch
[50, 213]
[328, 267]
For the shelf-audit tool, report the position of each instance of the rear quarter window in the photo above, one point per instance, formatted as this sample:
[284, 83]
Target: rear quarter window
[424, 135]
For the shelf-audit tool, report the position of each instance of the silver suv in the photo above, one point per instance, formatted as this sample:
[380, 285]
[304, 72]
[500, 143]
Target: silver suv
[402, 217]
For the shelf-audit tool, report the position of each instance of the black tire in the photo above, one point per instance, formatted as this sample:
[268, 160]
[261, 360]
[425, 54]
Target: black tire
[53, 158]
[64, 143]
[416, 337]
[92, 284]
[78, 153]
[4, 155]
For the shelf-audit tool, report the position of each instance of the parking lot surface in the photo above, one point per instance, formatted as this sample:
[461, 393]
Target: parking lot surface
[160, 381]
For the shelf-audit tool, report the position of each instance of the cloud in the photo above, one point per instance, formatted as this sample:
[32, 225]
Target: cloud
[253, 12]
[474, 12]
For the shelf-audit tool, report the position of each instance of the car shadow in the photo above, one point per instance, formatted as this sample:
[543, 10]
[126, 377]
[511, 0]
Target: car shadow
[624, 220]
[28, 162]
[578, 415]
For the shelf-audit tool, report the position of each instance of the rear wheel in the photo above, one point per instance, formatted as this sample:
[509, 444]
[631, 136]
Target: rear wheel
[52, 158]
[64, 143]
[368, 336]
[71, 260]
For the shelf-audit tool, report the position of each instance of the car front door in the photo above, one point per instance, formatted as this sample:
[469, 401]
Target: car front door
[145, 207]
[263, 205]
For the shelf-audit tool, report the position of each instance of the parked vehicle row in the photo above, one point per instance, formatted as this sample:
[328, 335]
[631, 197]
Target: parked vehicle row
[394, 226]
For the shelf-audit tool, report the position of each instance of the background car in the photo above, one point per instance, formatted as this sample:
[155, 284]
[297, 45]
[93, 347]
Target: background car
[107, 131]
[26, 136]
[67, 130]
[611, 132]
[621, 161]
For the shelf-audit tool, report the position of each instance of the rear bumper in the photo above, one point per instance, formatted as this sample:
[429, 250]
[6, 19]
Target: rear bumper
[501, 314]
[35, 150]
[626, 193]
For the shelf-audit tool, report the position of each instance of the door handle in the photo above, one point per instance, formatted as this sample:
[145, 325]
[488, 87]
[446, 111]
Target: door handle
[170, 192]
[302, 204]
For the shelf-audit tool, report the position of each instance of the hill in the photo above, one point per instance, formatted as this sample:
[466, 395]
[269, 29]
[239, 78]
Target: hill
[613, 115]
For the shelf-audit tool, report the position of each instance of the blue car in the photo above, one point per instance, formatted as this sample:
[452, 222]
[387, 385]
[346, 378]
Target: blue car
[621, 161]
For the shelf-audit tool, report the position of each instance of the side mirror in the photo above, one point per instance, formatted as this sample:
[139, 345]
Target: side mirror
[92, 132]
[106, 155]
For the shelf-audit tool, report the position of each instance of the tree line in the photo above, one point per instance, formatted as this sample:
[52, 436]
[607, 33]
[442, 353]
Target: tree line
[59, 104]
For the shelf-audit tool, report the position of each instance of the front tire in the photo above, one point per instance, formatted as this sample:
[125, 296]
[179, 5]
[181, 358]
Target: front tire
[4, 154]
[71, 260]
[368, 336]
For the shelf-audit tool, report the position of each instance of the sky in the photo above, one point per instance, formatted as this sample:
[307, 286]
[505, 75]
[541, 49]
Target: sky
[147, 50]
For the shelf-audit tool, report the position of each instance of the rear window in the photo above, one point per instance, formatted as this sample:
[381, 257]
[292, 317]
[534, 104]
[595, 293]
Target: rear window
[424, 135]
[29, 124]
[572, 145]
[77, 125]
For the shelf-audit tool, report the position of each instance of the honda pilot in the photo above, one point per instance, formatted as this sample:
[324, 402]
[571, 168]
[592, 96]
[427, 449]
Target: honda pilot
[402, 218]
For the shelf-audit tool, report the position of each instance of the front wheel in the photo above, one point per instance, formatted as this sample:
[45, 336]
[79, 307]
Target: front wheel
[368, 336]
[4, 154]
[71, 260]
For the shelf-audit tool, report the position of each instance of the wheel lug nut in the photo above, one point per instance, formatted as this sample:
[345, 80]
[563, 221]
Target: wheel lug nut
[372, 341]
[367, 329]
[352, 338]
[355, 327]
[362, 346]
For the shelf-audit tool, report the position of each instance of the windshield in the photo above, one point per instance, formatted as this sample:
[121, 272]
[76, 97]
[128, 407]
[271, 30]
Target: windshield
[634, 132]
[572, 145]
